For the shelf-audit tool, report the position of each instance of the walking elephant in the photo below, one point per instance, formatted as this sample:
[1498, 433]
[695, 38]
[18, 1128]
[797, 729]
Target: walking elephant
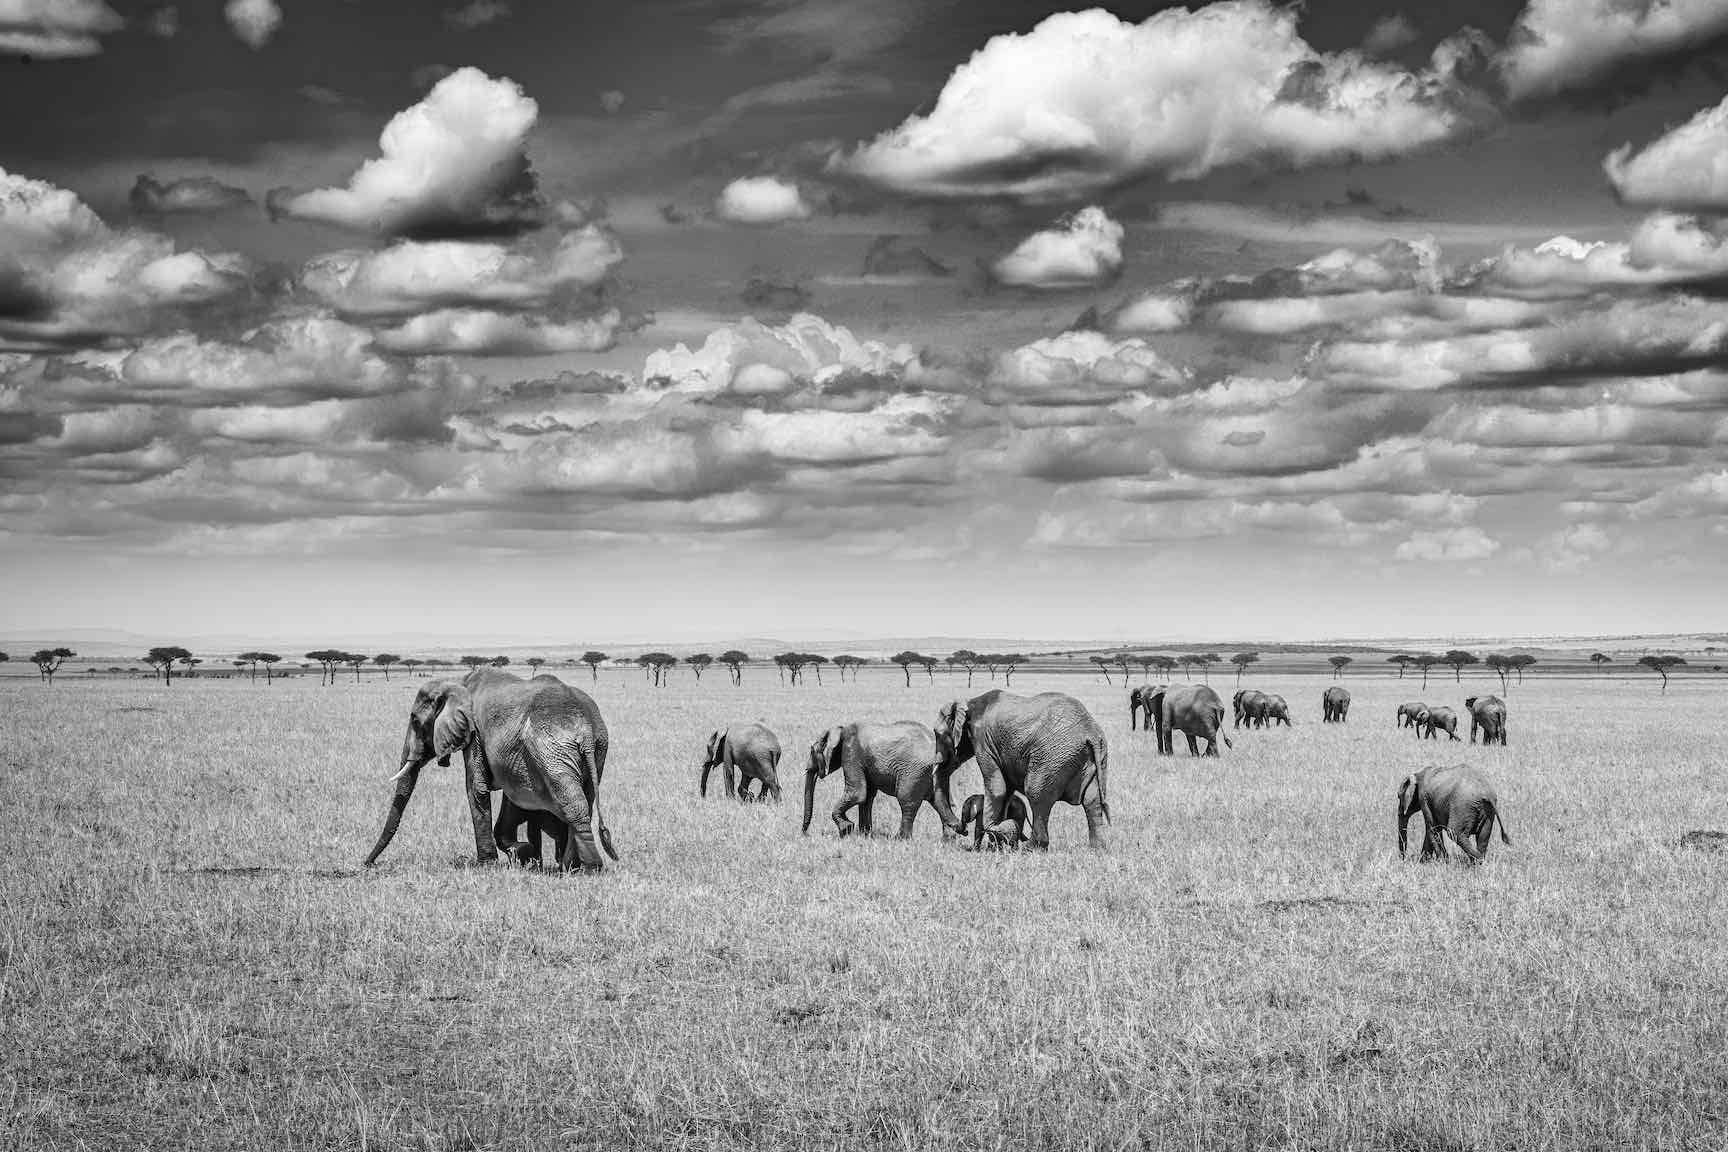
[1489, 714]
[1277, 711]
[1458, 800]
[540, 741]
[1412, 714]
[1334, 705]
[1193, 709]
[1046, 747]
[899, 759]
[1249, 705]
[750, 751]
[1011, 833]
[1441, 719]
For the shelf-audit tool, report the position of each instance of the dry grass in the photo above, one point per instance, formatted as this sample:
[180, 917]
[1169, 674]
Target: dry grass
[190, 958]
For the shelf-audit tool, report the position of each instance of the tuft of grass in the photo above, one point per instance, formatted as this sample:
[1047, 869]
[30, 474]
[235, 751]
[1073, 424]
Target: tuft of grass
[191, 956]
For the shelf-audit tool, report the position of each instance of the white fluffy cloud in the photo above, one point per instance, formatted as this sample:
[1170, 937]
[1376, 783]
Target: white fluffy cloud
[453, 164]
[55, 29]
[1559, 45]
[254, 21]
[1663, 249]
[1458, 545]
[1687, 168]
[479, 332]
[1082, 251]
[311, 356]
[761, 200]
[1082, 368]
[755, 358]
[1085, 101]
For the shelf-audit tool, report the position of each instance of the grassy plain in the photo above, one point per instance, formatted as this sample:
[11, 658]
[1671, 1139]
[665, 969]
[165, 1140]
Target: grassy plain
[189, 956]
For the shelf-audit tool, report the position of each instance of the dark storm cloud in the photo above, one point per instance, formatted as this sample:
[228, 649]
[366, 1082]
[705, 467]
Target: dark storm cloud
[769, 295]
[195, 194]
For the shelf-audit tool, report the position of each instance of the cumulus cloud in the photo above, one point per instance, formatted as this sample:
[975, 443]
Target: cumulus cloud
[194, 194]
[453, 165]
[1455, 545]
[1664, 249]
[1561, 45]
[1082, 251]
[1081, 368]
[478, 332]
[755, 358]
[1687, 168]
[761, 200]
[254, 21]
[1085, 101]
[55, 29]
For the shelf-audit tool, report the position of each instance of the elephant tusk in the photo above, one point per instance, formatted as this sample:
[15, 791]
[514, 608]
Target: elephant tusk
[407, 767]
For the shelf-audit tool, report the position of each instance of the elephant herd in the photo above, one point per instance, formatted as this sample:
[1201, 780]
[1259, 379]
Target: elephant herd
[1487, 716]
[543, 744]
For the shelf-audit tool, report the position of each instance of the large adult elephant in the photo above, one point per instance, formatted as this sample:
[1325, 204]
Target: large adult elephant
[1411, 715]
[1489, 714]
[899, 759]
[1046, 747]
[1334, 705]
[1440, 719]
[1458, 800]
[1249, 704]
[1193, 709]
[540, 741]
[747, 751]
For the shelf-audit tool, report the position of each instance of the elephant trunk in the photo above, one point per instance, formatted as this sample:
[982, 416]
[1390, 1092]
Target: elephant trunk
[943, 800]
[809, 801]
[405, 781]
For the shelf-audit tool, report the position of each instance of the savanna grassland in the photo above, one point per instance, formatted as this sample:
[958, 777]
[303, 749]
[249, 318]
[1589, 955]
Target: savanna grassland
[190, 956]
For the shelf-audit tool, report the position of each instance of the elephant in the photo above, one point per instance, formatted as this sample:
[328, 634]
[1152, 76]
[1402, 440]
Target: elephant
[529, 853]
[1046, 747]
[899, 759]
[1334, 705]
[1441, 718]
[1277, 710]
[1016, 813]
[540, 741]
[1458, 800]
[1489, 714]
[1138, 704]
[1195, 710]
[1250, 705]
[747, 750]
[1412, 714]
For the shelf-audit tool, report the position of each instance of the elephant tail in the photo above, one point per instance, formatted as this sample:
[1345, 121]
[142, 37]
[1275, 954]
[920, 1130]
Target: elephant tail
[1494, 814]
[602, 834]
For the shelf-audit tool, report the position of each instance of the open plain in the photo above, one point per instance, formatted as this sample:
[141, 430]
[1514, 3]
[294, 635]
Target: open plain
[190, 955]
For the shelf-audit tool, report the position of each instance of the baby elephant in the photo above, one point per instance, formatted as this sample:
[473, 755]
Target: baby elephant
[1016, 812]
[528, 853]
[1440, 719]
[747, 750]
[1457, 800]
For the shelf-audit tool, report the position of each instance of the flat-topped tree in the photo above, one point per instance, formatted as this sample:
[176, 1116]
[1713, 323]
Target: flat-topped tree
[967, 659]
[384, 660]
[1521, 661]
[735, 661]
[1164, 664]
[699, 664]
[1601, 660]
[1498, 664]
[1661, 665]
[190, 664]
[1425, 661]
[48, 661]
[354, 660]
[473, 662]
[812, 660]
[499, 662]
[327, 660]
[1243, 660]
[991, 661]
[412, 665]
[906, 660]
[1403, 661]
[1122, 660]
[535, 663]
[1103, 665]
[163, 660]
[1207, 659]
[658, 664]
[594, 660]
[1459, 660]
[1010, 662]
[852, 663]
[1147, 663]
[1339, 663]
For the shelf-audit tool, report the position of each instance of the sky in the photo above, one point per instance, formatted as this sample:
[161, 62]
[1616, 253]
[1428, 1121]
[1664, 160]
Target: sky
[962, 317]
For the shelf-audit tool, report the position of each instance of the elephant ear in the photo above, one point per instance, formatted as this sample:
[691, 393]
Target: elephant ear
[834, 741]
[953, 721]
[713, 748]
[1407, 793]
[453, 725]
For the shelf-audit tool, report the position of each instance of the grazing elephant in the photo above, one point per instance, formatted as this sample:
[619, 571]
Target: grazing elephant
[1250, 705]
[747, 750]
[1046, 747]
[1001, 835]
[1489, 714]
[540, 741]
[1277, 712]
[1458, 800]
[1440, 719]
[1334, 705]
[899, 759]
[1193, 709]
[1412, 714]
[1140, 703]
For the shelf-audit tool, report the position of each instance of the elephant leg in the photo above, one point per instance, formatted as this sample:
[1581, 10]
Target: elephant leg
[1096, 821]
[480, 809]
[730, 777]
[1040, 838]
[908, 815]
[849, 799]
[1193, 744]
[867, 812]
[744, 796]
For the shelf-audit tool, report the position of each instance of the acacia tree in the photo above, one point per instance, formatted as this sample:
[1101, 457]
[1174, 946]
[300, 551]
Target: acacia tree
[1339, 663]
[473, 662]
[1242, 660]
[354, 660]
[594, 660]
[735, 661]
[163, 660]
[1499, 665]
[412, 665]
[1147, 663]
[967, 659]
[1522, 661]
[1010, 662]
[1459, 660]
[1403, 661]
[1122, 660]
[385, 659]
[1601, 659]
[248, 659]
[1187, 661]
[1425, 661]
[1164, 664]
[792, 664]
[327, 659]
[48, 661]
[499, 662]
[815, 662]
[1103, 663]
[849, 662]
[1660, 665]
[699, 664]
[535, 663]
[907, 659]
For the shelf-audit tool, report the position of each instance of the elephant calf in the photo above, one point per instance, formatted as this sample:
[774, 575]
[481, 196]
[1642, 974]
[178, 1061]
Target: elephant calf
[1334, 705]
[749, 751]
[1440, 719]
[529, 853]
[1016, 812]
[899, 759]
[1458, 801]
[1412, 714]
[1277, 712]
